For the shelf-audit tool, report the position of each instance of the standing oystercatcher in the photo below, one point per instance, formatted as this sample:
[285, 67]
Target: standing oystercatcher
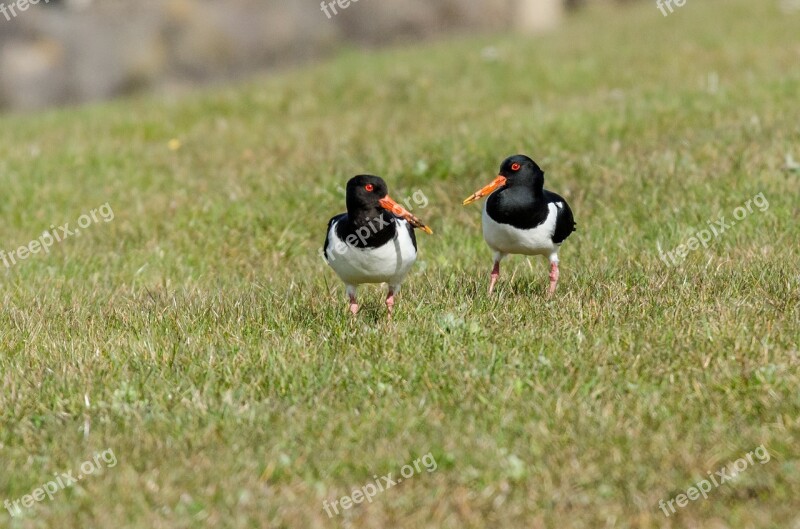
[374, 241]
[521, 217]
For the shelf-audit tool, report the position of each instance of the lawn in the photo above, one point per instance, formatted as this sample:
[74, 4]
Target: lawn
[191, 329]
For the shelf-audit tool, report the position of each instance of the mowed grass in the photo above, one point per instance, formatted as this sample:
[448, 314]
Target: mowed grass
[200, 336]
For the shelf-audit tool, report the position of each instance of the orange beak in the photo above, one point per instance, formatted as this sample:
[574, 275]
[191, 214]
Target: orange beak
[497, 183]
[390, 205]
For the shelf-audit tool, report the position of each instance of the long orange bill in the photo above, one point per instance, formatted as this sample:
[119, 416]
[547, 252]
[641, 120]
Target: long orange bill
[389, 204]
[497, 183]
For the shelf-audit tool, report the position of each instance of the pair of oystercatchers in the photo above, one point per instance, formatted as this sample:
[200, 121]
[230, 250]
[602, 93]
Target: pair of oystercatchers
[374, 241]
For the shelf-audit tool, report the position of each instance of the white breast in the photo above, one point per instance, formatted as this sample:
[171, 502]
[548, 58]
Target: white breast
[389, 263]
[507, 239]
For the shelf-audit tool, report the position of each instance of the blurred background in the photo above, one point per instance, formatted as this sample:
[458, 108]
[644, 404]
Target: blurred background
[62, 52]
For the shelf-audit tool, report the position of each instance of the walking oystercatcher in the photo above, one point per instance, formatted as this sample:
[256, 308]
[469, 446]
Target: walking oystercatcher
[374, 241]
[521, 217]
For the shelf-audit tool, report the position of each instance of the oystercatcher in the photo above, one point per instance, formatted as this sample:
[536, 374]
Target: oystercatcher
[374, 241]
[521, 217]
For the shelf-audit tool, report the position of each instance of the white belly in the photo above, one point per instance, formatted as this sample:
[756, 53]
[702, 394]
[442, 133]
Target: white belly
[507, 239]
[389, 263]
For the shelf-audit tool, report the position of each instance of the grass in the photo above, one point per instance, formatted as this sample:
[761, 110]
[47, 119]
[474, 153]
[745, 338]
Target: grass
[200, 337]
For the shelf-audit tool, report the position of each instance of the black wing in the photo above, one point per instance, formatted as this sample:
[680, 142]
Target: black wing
[411, 232]
[328, 233]
[565, 222]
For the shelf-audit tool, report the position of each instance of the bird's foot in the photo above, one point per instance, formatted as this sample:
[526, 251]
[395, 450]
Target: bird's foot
[353, 305]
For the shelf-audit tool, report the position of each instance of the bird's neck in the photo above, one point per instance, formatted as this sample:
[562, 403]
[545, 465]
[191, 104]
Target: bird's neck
[519, 206]
[362, 217]
[523, 197]
[371, 228]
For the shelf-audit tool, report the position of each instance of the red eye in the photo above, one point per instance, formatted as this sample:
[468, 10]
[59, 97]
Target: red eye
[515, 167]
[369, 187]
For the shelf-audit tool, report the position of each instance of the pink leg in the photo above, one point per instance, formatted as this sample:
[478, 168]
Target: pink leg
[351, 293]
[390, 302]
[553, 278]
[495, 275]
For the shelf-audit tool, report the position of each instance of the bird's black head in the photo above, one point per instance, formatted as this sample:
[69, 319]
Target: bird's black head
[368, 197]
[517, 171]
[520, 170]
[364, 193]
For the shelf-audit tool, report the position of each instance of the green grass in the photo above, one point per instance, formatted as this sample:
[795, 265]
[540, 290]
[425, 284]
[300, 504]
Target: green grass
[200, 337]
